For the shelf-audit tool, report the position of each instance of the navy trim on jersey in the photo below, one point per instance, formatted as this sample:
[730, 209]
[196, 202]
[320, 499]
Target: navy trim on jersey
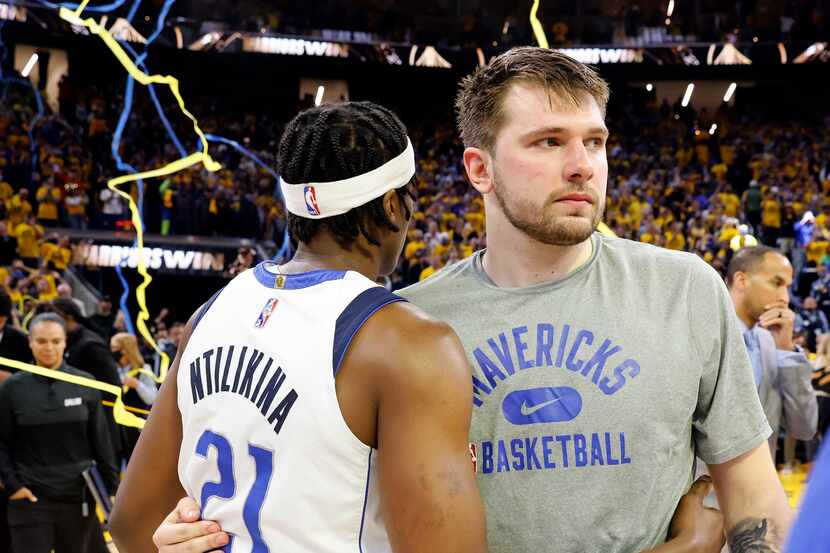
[295, 281]
[365, 503]
[355, 316]
[205, 308]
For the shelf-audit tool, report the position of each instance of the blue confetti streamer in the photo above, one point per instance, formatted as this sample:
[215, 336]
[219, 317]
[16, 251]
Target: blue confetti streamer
[133, 9]
[122, 166]
[126, 111]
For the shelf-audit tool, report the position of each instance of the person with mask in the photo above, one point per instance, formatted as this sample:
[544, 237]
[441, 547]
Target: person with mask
[138, 380]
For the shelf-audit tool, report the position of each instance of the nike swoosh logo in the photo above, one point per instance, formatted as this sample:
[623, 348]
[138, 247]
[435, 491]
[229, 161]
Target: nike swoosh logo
[528, 410]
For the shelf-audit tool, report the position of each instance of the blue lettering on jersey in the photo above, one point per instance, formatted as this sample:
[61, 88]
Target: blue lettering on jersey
[568, 352]
[550, 452]
[580, 352]
[208, 378]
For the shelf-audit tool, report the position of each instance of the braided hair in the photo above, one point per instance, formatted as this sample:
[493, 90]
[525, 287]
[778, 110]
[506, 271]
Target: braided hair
[335, 142]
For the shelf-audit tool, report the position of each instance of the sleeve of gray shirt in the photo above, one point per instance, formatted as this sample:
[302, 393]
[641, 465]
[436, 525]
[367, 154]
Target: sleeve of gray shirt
[797, 395]
[728, 420]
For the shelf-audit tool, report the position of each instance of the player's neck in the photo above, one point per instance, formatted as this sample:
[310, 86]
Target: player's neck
[514, 260]
[325, 253]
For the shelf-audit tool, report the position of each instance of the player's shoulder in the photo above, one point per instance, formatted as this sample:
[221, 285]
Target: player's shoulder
[648, 257]
[403, 336]
[404, 325]
[404, 348]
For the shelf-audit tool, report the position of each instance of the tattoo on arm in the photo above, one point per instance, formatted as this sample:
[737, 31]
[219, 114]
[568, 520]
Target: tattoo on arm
[752, 535]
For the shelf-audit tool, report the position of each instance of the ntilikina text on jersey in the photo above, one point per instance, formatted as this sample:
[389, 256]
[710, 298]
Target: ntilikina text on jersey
[212, 371]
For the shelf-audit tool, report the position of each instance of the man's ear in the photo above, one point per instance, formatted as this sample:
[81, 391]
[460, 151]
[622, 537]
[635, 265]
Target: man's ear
[393, 206]
[479, 166]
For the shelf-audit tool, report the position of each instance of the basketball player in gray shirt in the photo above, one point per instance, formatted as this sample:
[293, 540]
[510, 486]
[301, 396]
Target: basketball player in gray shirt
[600, 366]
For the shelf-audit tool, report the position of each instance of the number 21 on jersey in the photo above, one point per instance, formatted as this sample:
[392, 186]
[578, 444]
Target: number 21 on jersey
[225, 488]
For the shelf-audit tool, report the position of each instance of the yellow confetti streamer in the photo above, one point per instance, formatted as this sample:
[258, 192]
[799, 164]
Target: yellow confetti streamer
[538, 29]
[604, 229]
[128, 408]
[122, 416]
[199, 157]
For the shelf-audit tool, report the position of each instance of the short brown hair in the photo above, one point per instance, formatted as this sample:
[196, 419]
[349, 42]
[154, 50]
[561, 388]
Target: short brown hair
[480, 99]
[747, 260]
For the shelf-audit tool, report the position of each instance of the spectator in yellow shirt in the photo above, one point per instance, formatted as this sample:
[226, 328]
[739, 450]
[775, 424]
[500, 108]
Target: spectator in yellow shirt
[19, 208]
[675, 240]
[415, 243]
[731, 202]
[817, 249]
[75, 204]
[62, 255]
[45, 293]
[729, 231]
[434, 264]
[28, 234]
[720, 170]
[48, 198]
[771, 219]
[6, 191]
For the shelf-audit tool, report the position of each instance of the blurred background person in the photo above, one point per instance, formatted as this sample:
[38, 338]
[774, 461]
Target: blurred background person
[136, 378]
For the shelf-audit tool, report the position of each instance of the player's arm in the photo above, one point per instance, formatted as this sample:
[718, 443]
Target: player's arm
[151, 487]
[428, 491]
[757, 515]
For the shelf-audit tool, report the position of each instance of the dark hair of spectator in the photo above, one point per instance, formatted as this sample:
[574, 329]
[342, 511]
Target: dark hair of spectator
[747, 260]
[335, 142]
[65, 307]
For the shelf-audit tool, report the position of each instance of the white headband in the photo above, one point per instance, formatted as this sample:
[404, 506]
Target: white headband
[327, 199]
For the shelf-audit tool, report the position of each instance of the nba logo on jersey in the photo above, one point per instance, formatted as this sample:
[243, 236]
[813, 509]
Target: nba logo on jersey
[311, 201]
[265, 314]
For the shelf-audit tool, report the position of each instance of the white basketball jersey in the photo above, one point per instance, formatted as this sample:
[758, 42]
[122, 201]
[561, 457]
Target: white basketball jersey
[265, 449]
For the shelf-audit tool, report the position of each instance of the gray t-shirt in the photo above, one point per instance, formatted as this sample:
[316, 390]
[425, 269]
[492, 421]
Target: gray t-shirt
[592, 393]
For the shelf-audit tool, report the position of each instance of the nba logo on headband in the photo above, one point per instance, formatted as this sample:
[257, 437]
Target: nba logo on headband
[311, 201]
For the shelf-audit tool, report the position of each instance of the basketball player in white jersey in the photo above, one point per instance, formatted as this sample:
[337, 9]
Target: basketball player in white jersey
[310, 410]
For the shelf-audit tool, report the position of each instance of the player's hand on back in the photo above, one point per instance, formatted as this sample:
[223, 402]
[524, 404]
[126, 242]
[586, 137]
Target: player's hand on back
[698, 526]
[183, 532]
